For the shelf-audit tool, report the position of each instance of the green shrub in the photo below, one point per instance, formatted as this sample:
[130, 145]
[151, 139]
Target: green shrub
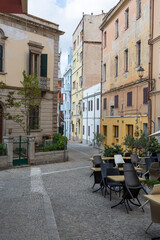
[111, 151]
[152, 182]
[3, 150]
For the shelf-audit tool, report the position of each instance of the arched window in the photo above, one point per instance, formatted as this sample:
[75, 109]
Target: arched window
[2, 50]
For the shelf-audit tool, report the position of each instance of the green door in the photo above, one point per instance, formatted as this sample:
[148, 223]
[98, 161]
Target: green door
[20, 151]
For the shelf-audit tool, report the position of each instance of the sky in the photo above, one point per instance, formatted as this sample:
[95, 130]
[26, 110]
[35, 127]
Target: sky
[67, 14]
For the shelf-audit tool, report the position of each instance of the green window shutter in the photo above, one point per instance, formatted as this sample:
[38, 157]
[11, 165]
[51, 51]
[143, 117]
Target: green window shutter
[43, 65]
[29, 62]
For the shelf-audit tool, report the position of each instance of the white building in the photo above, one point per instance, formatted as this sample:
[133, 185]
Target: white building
[91, 113]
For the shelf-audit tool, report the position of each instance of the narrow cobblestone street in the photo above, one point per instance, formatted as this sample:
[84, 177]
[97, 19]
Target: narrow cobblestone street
[55, 201]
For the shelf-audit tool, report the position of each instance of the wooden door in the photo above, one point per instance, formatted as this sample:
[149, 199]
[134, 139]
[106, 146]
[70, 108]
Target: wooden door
[1, 123]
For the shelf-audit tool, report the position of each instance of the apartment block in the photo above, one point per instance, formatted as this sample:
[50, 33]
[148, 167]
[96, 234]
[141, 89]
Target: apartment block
[125, 31]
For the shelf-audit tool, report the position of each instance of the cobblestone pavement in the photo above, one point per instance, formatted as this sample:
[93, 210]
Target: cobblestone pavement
[55, 201]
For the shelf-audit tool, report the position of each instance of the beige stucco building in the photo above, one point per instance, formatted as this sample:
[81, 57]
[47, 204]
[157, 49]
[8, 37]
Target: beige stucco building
[125, 30]
[155, 66]
[86, 69]
[31, 44]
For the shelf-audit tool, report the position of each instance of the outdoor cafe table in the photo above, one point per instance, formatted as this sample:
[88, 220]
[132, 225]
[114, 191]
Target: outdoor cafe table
[109, 158]
[120, 178]
[120, 169]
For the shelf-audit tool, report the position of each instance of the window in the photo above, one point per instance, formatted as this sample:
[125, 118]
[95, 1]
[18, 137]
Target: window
[73, 105]
[74, 63]
[1, 58]
[91, 105]
[73, 128]
[83, 106]
[116, 131]
[2, 51]
[105, 39]
[74, 45]
[33, 117]
[88, 130]
[112, 110]
[97, 103]
[130, 130]
[97, 129]
[77, 40]
[105, 130]
[74, 85]
[77, 57]
[80, 81]
[83, 129]
[104, 69]
[105, 103]
[129, 99]
[81, 57]
[138, 53]
[138, 9]
[127, 19]
[81, 35]
[116, 66]
[116, 101]
[116, 28]
[145, 128]
[145, 95]
[126, 60]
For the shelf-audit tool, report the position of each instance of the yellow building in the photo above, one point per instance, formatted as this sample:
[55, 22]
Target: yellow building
[125, 31]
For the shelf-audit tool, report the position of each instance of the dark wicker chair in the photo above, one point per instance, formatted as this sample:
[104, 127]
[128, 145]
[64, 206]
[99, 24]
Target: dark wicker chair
[104, 167]
[111, 185]
[132, 186]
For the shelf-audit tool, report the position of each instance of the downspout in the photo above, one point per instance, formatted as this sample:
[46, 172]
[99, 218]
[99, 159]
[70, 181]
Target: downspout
[101, 79]
[151, 24]
[82, 64]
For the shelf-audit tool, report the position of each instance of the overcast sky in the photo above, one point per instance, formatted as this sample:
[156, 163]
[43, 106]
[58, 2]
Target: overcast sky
[67, 13]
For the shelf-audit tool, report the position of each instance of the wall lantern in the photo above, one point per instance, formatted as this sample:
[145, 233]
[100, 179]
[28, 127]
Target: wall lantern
[140, 71]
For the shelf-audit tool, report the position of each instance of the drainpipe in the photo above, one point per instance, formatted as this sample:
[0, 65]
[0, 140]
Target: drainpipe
[101, 79]
[94, 118]
[151, 24]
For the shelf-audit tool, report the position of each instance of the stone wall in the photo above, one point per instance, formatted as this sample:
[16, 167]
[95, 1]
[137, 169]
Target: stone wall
[4, 162]
[50, 157]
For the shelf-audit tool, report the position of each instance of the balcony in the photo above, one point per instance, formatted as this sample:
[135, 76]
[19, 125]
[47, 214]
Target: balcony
[44, 83]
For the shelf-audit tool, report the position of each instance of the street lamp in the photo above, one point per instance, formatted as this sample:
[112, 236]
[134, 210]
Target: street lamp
[140, 71]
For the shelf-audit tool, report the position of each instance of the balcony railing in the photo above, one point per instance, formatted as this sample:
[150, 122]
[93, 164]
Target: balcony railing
[44, 83]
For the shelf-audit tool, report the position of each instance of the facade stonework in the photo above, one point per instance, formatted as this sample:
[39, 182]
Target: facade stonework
[31, 44]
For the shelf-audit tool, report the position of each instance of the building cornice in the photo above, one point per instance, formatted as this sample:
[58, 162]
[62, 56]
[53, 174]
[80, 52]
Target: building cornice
[127, 85]
[112, 12]
[154, 40]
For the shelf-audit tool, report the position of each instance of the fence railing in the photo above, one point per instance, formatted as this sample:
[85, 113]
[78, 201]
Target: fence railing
[3, 150]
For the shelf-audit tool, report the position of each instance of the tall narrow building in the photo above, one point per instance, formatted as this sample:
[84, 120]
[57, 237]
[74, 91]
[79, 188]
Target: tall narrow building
[125, 32]
[66, 91]
[86, 78]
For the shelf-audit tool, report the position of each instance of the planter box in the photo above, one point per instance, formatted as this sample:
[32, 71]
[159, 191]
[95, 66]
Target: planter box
[49, 157]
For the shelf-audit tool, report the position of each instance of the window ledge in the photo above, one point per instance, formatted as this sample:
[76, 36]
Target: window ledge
[35, 130]
[3, 73]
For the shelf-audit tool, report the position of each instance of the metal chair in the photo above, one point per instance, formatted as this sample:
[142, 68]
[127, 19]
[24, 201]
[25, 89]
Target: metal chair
[154, 171]
[97, 160]
[134, 159]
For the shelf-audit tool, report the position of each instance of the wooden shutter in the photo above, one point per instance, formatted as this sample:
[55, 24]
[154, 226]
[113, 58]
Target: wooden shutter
[1, 58]
[129, 99]
[43, 65]
[116, 101]
[30, 55]
[105, 103]
[145, 95]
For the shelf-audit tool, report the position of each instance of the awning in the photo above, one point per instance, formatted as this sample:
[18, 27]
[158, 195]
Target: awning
[13, 6]
[155, 134]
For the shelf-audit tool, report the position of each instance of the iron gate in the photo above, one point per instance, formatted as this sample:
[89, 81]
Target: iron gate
[20, 151]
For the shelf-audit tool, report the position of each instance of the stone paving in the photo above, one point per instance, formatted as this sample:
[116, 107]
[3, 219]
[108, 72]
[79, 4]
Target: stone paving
[32, 199]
